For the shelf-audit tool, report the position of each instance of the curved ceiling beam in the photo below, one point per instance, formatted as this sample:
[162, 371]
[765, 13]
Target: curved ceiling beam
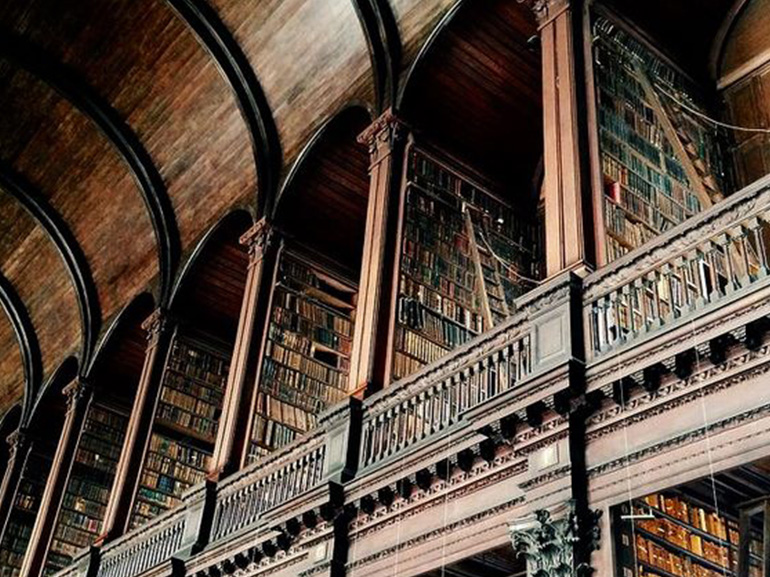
[718, 46]
[425, 50]
[28, 342]
[215, 37]
[66, 81]
[381, 31]
[69, 249]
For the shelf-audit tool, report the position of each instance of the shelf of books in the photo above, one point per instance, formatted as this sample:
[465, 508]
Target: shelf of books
[89, 485]
[185, 425]
[22, 516]
[646, 186]
[307, 352]
[465, 256]
[670, 535]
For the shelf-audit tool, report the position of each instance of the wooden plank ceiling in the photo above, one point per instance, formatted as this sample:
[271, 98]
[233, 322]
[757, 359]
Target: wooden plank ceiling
[141, 70]
[122, 120]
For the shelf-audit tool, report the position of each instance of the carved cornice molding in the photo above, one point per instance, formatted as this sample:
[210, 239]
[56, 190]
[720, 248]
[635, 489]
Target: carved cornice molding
[433, 534]
[710, 378]
[258, 239]
[681, 440]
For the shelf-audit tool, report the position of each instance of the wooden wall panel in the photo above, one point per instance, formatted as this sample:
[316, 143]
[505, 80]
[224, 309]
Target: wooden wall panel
[93, 191]
[153, 70]
[37, 273]
[310, 56]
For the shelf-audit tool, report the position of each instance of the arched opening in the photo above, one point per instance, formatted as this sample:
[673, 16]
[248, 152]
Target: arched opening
[44, 429]
[321, 219]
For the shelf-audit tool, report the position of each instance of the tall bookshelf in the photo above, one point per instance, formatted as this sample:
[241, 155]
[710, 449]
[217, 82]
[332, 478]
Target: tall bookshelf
[89, 485]
[660, 162]
[185, 424]
[465, 256]
[22, 516]
[670, 534]
[307, 352]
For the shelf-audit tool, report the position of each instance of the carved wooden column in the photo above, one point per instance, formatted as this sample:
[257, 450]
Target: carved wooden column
[160, 329]
[376, 291]
[79, 395]
[262, 245]
[568, 212]
[19, 447]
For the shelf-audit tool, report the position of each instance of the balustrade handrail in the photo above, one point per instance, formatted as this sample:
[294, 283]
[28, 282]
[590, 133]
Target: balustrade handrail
[435, 398]
[145, 547]
[680, 239]
[700, 262]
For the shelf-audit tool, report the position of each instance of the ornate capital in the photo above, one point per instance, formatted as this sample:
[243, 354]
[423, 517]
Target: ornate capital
[549, 541]
[157, 323]
[258, 239]
[17, 440]
[76, 391]
[382, 134]
[546, 10]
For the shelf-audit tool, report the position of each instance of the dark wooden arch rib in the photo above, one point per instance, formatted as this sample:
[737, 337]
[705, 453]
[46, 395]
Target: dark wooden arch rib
[78, 92]
[381, 31]
[28, 342]
[425, 50]
[69, 249]
[216, 38]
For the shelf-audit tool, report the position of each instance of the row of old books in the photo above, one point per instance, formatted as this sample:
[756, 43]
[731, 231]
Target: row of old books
[306, 359]
[438, 328]
[440, 304]
[636, 153]
[89, 485]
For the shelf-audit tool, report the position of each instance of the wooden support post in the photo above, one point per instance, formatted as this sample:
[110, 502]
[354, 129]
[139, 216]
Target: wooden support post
[79, 395]
[19, 448]
[369, 366]
[568, 216]
[233, 429]
[159, 330]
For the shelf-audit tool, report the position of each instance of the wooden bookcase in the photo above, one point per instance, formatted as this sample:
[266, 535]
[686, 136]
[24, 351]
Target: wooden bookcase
[465, 256]
[681, 538]
[306, 358]
[88, 487]
[660, 163]
[185, 424]
[22, 516]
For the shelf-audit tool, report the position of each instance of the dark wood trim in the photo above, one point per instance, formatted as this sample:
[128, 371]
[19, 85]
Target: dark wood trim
[80, 94]
[381, 30]
[29, 345]
[424, 51]
[69, 249]
[214, 35]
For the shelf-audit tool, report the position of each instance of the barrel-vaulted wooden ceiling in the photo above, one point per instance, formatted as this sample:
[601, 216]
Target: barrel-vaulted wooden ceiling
[130, 128]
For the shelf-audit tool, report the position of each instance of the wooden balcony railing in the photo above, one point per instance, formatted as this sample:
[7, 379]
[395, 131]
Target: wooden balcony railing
[437, 397]
[270, 482]
[703, 263]
[149, 546]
